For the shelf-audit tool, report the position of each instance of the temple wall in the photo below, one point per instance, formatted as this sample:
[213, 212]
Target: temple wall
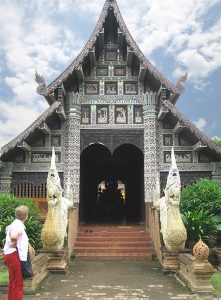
[72, 228]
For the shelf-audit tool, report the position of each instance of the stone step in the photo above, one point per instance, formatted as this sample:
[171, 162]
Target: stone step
[113, 228]
[113, 243]
[116, 256]
[112, 250]
[110, 240]
[115, 234]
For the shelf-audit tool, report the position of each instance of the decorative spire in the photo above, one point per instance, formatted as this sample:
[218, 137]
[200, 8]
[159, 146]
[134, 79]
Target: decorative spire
[173, 169]
[41, 83]
[182, 80]
[53, 165]
[173, 159]
[53, 176]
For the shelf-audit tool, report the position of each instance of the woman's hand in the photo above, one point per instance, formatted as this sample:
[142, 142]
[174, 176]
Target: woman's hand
[13, 238]
[13, 243]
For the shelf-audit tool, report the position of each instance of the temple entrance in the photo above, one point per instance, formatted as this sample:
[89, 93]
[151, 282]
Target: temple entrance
[112, 185]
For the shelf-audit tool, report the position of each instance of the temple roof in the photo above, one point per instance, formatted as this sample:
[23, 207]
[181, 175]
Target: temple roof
[176, 90]
[191, 127]
[33, 127]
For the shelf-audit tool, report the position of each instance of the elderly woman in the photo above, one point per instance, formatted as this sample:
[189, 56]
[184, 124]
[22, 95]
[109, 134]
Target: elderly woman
[16, 249]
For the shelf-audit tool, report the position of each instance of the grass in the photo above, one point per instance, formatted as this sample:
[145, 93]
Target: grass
[216, 282]
[3, 276]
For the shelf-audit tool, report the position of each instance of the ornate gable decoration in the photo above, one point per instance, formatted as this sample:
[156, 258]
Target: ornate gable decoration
[112, 4]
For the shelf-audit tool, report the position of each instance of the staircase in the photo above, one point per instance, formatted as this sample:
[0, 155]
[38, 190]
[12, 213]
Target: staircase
[113, 243]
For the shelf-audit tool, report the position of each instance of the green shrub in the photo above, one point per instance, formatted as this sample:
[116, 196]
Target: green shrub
[204, 195]
[216, 140]
[200, 225]
[8, 203]
[217, 219]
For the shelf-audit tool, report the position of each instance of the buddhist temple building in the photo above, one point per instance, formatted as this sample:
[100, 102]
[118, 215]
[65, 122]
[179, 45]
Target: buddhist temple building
[112, 120]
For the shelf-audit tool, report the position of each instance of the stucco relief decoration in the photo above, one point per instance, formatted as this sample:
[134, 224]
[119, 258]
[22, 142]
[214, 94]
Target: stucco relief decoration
[121, 114]
[150, 155]
[55, 226]
[72, 154]
[172, 227]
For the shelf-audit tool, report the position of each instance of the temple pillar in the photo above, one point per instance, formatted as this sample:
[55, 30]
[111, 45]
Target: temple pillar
[72, 171]
[72, 154]
[5, 177]
[151, 156]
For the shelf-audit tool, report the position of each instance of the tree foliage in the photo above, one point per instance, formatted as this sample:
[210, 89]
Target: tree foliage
[217, 140]
[204, 195]
[200, 206]
[200, 225]
[8, 203]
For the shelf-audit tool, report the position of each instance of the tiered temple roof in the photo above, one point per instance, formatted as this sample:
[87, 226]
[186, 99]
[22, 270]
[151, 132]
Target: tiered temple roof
[111, 6]
[50, 92]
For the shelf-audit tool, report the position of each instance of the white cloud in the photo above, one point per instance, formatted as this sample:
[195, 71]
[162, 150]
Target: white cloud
[200, 123]
[30, 40]
[178, 27]
[41, 35]
[15, 118]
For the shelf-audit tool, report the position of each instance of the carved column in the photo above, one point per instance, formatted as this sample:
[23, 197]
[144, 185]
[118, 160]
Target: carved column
[151, 154]
[5, 177]
[72, 153]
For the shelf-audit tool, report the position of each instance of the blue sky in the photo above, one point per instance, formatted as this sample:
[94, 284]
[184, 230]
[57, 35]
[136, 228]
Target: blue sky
[175, 35]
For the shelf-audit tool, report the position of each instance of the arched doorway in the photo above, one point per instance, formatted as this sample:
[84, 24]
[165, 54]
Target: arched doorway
[111, 185]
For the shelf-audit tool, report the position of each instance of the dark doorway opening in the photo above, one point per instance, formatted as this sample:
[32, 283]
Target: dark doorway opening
[112, 185]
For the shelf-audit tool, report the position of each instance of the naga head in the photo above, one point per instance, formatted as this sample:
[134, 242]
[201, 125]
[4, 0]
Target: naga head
[53, 176]
[173, 186]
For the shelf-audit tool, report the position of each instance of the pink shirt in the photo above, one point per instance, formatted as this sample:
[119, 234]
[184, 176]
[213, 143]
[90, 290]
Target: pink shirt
[22, 241]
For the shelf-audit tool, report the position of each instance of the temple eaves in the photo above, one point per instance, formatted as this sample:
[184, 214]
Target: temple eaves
[191, 127]
[26, 133]
[176, 90]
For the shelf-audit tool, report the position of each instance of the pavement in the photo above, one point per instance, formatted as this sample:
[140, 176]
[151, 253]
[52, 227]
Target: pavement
[108, 280]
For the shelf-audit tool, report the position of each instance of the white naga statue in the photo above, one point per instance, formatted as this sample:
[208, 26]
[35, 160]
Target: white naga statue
[172, 227]
[55, 227]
